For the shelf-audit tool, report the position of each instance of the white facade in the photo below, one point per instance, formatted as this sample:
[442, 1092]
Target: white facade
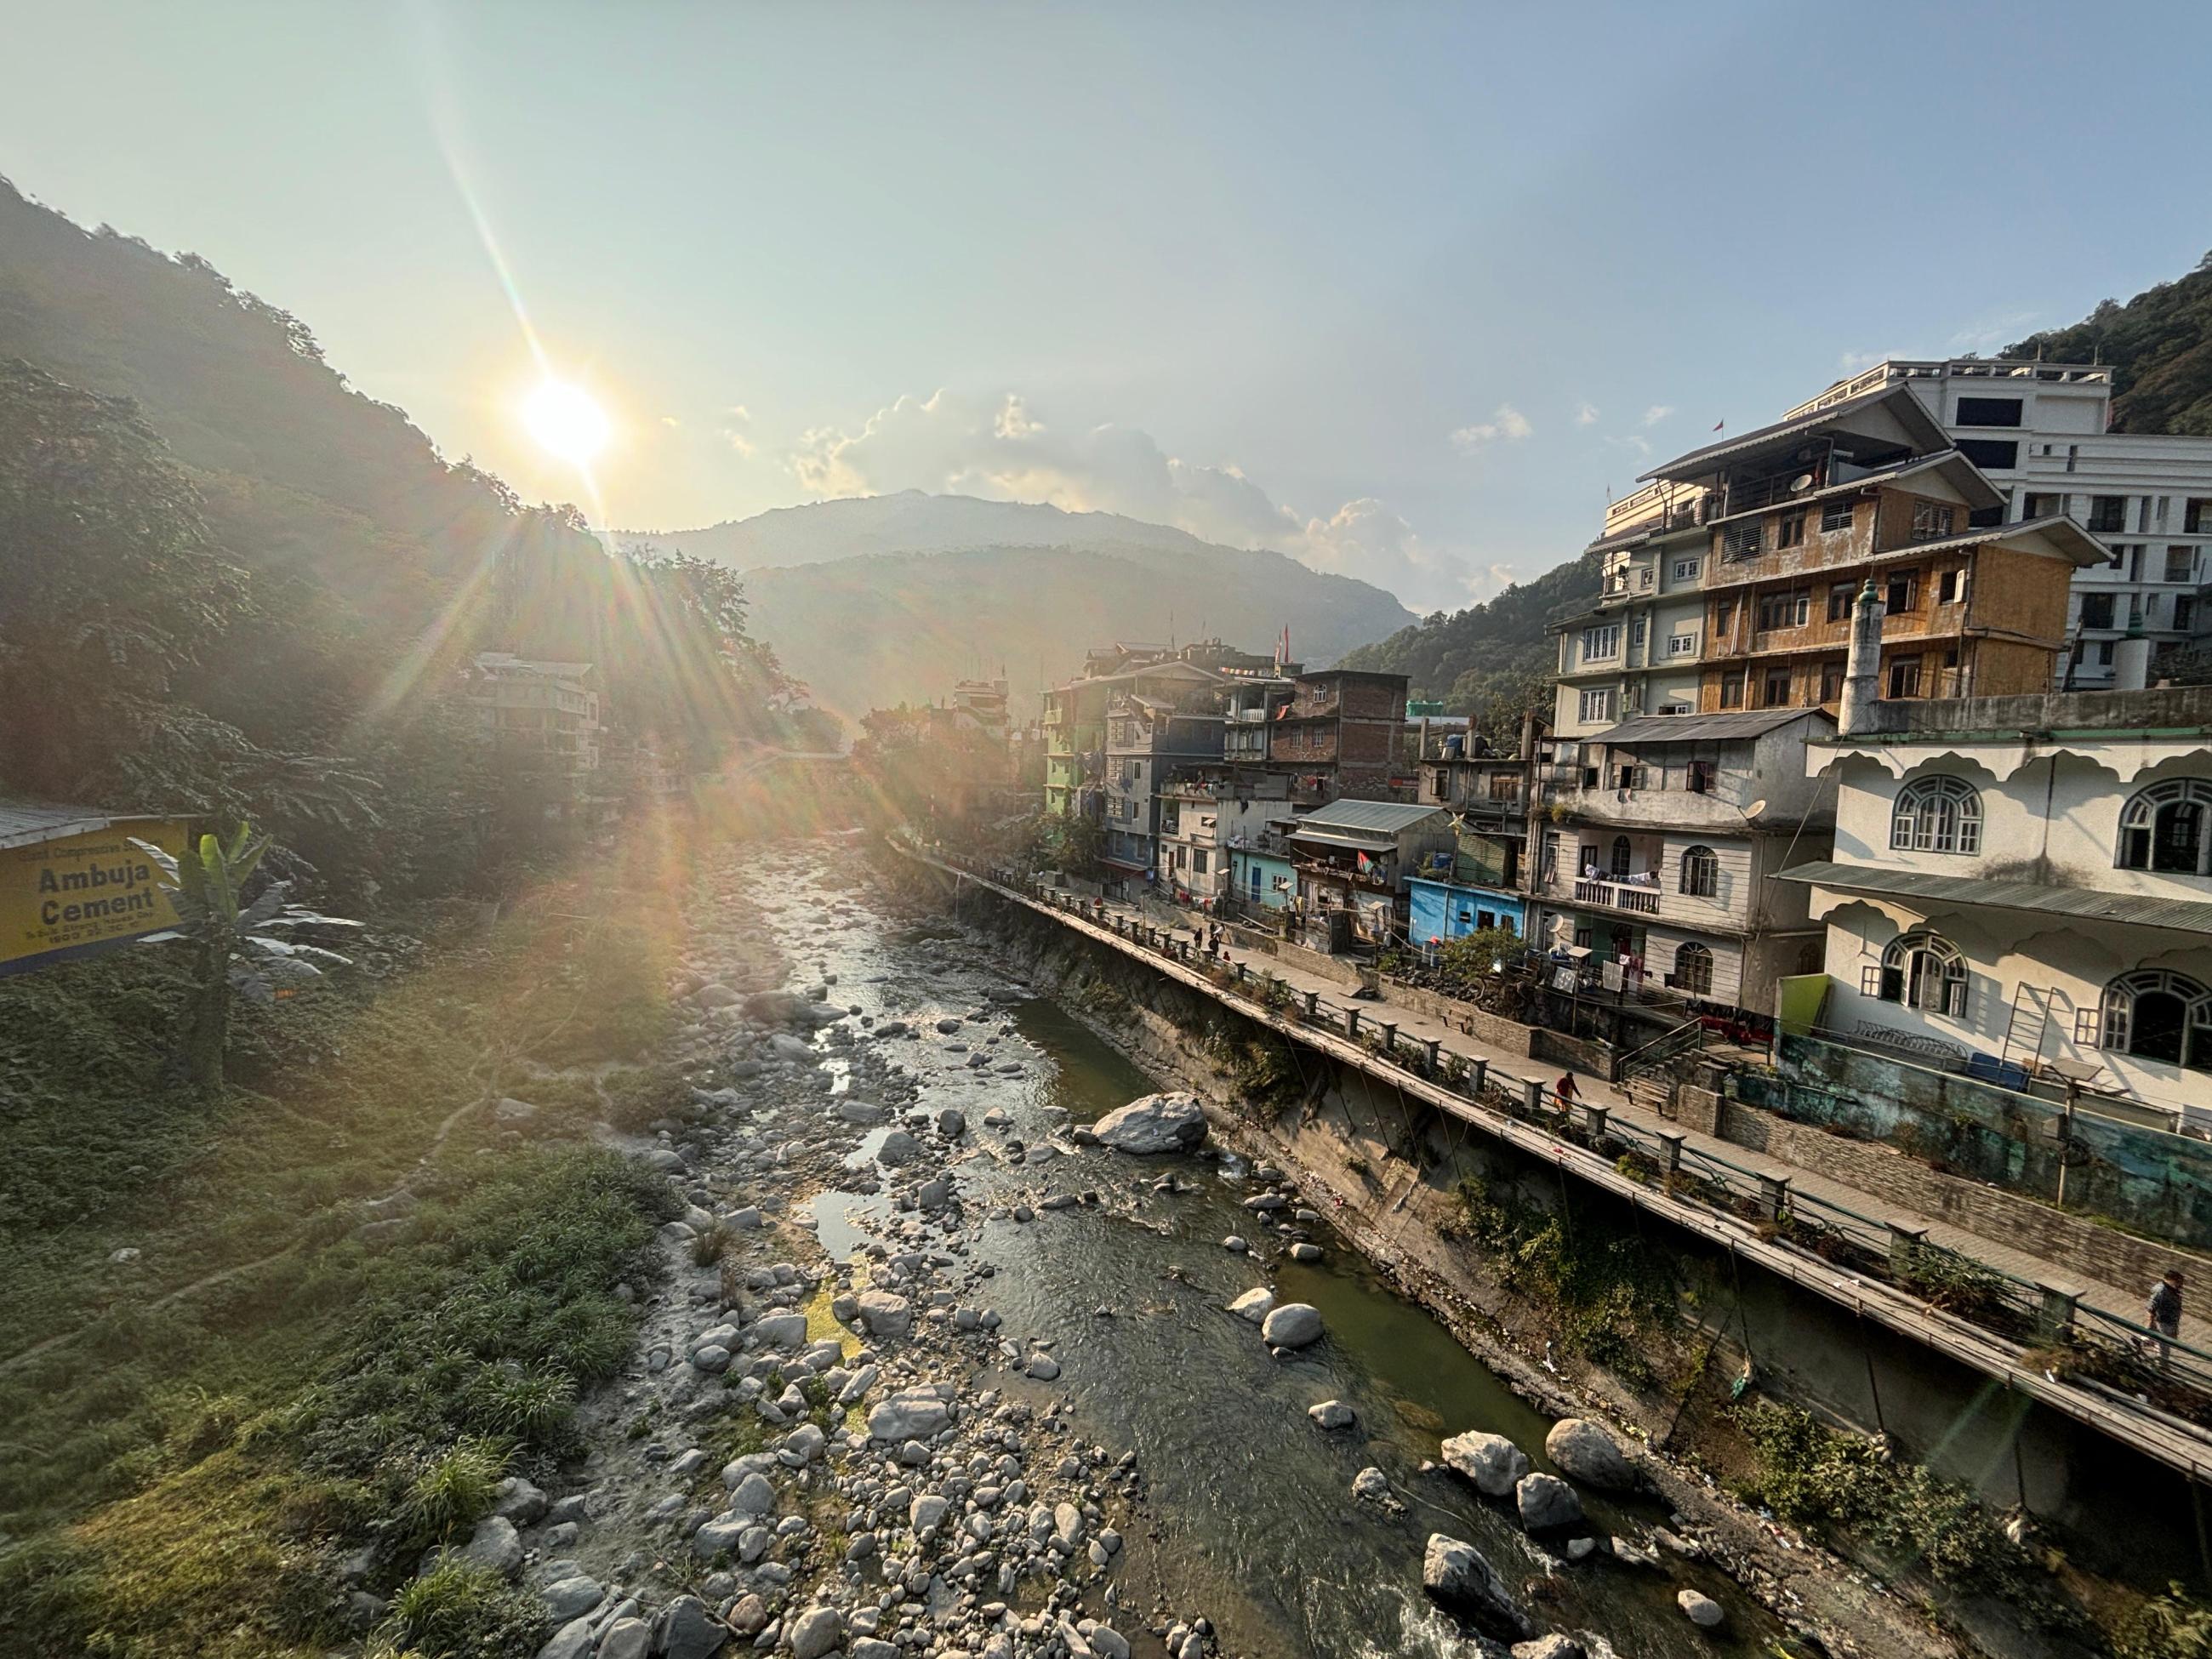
[1637, 650]
[2038, 430]
[2030, 880]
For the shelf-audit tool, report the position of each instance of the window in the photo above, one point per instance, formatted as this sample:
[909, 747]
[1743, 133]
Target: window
[2119, 559]
[1732, 688]
[1920, 970]
[2096, 611]
[1792, 609]
[2108, 514]
[1603, 642]
[2180, 564]
[1930, 520]
[2039, 506]
[1840, 598]
[1694, 968]
[1701, 777]
[1774, 690]
[1998, 454]
[2185, 613]
[1789, 530]
[1740, 541]
[1636, 633]
[1832, 680]
[1903, 592]
[1836, 515]
[1701, 871]
[2165, 828]
[1597, 705]
[1621, 854]
[1951, 587]
[1938, 815]
[1686, 570]
[2105, 654]
[1198, 861]
[1904, 678]
[2154, 1013]
[2196, 517]
[1988, 411]
[1723, 616]
[1681, 645]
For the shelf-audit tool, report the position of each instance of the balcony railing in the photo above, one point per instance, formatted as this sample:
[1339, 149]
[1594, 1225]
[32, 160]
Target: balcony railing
[1616, 895]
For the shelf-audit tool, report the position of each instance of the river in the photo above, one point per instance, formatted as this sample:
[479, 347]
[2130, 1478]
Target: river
[1249, 1516]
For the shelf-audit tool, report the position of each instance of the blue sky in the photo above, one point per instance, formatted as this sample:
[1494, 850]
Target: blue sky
[1402, 290]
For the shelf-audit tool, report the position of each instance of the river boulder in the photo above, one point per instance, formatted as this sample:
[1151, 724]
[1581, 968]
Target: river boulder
[1293, 1325]
[1494, 1463]
[1256, 1305]
[1455, 1573]
[1700, 1609]
[908, 1416]
[1588, 1452]
[1547, 1504]
[1170, 1123]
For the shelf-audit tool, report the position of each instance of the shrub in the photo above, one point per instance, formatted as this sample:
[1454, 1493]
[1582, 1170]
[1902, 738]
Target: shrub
[455, 1611]
[453, 1490]
[2174, 1625]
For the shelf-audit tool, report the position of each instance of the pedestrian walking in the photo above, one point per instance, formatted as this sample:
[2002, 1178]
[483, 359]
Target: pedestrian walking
[2162, 1313]
[1565, 1088]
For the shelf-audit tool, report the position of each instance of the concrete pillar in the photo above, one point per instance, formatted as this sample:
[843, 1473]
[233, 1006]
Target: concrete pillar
[1532, 1094]
[1670, 1155]
[1390, 1037]
[1240, 973]
[1478, 1073]
[2131, 659]
[1351, 1022]
[1313, 1003]
[1594, 1121]
[1434, 1045]
[2056, 1313]
[1773, 1196]
[1862, 667]
[1903, 1240]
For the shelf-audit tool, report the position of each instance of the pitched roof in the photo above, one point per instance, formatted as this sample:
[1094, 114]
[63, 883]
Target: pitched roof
[1705, 728]
[1385, 816]
[2085, 904]
[1896, 399]
[2066, 539]
[25, 824]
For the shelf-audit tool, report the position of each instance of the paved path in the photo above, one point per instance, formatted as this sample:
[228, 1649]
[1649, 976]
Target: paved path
[2126, 1301]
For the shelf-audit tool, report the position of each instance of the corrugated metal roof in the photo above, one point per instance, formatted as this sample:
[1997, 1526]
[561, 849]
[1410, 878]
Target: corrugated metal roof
[1705, 728]
[2133, 909]
[22, 824]
[1908, 412]
[1385, 817]
[2068, 538]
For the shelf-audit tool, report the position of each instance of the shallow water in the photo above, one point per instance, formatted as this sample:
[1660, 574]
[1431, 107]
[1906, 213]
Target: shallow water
[1249, 1517]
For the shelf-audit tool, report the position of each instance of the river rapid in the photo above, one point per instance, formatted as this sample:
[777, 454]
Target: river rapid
[1248, 1511]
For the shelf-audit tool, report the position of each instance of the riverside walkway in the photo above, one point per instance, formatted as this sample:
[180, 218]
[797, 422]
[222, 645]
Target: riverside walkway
[1763, 1212]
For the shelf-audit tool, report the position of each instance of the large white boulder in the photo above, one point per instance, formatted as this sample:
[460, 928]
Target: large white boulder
[1494, 1463]
[1589, 1452]
[1293, 1325]
[1170, 1123]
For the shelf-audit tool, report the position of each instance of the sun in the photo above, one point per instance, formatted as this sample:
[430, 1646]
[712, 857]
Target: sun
[567, 422]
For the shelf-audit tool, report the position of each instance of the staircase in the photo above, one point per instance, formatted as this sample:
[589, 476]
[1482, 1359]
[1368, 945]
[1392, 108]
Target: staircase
[1657, 1056]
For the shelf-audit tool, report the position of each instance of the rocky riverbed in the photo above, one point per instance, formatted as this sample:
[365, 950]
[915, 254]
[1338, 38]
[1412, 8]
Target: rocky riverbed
[940, 1368]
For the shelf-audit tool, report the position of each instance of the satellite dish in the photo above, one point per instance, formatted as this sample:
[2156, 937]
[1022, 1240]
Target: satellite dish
[1803, 481]
[1755, 808]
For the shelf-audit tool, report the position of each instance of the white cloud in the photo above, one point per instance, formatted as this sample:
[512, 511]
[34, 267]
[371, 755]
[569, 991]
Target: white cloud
[1658, 413]
[738, 442]
[951, 443]
[1586, 415]
[1508, 423]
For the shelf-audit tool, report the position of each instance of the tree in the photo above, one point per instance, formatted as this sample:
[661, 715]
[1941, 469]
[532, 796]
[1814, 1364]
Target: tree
[236, 944]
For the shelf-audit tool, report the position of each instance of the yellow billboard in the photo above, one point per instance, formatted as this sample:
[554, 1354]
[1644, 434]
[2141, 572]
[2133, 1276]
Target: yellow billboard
[70, 895]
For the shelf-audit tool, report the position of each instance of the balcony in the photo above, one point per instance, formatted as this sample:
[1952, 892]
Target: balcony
[1606, 894]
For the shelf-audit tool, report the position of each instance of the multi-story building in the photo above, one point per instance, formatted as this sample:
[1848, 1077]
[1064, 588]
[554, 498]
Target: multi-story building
[1487, 796]
[1636, 650]
[1666, 834]
[1800, 516]
[2021, 890]
[1353, 858]
[545, 714]
[1208, 814]
[2039, 433]
[1157, 719]
[1338, 731]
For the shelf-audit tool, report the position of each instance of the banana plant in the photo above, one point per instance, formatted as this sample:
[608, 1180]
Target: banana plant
[238, 945]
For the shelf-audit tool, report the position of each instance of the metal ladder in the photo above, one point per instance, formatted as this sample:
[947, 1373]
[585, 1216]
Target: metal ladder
[2029, 1024]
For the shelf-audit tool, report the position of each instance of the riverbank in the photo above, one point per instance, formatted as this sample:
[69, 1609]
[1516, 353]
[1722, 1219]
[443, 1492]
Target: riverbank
[1359, 1155]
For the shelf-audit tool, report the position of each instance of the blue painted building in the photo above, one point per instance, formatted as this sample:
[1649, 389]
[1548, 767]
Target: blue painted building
[1262, 879]
[1445, 910]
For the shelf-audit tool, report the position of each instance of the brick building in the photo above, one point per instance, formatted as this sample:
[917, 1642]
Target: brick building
[1339, 733]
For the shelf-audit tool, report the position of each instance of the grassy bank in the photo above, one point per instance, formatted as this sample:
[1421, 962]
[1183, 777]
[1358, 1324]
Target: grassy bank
[180, 1474]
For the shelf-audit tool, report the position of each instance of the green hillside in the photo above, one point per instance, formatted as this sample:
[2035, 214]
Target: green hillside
[2160, 346]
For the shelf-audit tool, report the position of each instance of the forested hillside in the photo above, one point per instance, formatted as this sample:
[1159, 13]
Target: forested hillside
[232, 585]
[2160, 345]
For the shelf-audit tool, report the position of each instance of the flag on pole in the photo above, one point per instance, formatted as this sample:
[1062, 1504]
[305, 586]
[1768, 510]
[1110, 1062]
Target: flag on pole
[1717, 425]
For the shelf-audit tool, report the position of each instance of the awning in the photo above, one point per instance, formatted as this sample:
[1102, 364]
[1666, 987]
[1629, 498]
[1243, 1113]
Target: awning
[2082, 903]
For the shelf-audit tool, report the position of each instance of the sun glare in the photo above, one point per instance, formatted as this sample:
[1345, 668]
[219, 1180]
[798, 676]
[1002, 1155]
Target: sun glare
[566, 422]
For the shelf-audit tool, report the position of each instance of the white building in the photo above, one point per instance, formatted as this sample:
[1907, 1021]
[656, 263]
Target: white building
[1666, 839]
[1635, 651]
[1204, 816]
[2022, 887]
[2038, 431]
[548, 713]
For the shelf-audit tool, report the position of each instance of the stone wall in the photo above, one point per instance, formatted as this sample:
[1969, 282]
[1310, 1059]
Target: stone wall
[2082, 1247]
[1318, 962]
[1492, 1029]
[1584, 1053]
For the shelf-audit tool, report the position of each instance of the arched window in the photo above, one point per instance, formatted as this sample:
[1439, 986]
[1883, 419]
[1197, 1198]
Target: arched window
[2156, 1014]
[2168, 826]
[1938, 815]
[1701, 871]
[1693, 969]
[1921, 970]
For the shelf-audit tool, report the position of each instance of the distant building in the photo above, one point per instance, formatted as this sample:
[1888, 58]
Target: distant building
[2021, 891]
[1487, 796]
[1338, 730]
[2038, 431]
[545, 713]
[1208, 815]
[1353, 858]
[1157, 718]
